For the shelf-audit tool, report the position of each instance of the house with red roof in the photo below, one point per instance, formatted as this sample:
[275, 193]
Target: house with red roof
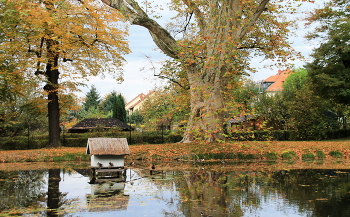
[274, 84]
[271, 86]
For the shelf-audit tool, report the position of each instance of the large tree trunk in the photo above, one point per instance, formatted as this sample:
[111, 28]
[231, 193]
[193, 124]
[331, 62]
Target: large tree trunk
[52, 75]
[207, 116]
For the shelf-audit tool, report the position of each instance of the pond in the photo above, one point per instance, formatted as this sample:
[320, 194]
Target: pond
[197, 190]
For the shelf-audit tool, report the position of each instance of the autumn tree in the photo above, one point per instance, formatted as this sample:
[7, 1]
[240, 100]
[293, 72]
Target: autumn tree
[330, 68]
[217, 42]
[163, 109]
[61, 39]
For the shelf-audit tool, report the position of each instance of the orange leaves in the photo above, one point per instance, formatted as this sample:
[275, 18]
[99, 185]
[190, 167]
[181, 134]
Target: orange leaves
[38, 155]
[187, 151]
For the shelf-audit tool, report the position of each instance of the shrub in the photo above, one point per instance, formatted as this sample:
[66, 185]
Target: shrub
[336, 154]
[320, 154]
[289, 155]
[271, 155]
[243, 156]
[215, 156]
[308, 156]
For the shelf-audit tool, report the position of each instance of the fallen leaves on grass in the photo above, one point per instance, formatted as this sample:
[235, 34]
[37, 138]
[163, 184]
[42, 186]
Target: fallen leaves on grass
[188, 151]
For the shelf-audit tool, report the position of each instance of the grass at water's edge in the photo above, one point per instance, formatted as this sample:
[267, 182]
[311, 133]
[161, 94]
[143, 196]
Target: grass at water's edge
[195, 151]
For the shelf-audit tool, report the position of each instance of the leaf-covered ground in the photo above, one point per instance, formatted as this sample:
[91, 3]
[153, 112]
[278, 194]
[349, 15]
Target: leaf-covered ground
[180, 156]
[257, 150]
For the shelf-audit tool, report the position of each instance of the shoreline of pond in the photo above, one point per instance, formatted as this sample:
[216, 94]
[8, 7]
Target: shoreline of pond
[161, 166]
[193, 153]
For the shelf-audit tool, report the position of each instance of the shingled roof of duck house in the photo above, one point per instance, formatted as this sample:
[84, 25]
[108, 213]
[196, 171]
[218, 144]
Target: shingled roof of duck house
[93, 123]
[107, 152]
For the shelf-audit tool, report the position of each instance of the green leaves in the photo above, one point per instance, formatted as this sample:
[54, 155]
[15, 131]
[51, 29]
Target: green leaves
[330, 69]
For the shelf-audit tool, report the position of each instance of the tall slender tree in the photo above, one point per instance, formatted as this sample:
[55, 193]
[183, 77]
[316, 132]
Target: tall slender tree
[65, 39]
[218, 41]
[119, 108]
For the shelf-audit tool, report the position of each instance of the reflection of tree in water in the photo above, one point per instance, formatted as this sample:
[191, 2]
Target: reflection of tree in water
[213, 193]
[22, 188]
[203, 192]
[315, 192]
[55, 198]
[24, 191]
[221, 194]
[322, 192]
[53, 193]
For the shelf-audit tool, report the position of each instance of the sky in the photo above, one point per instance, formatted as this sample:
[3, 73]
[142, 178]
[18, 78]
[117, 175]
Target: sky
[137, 81]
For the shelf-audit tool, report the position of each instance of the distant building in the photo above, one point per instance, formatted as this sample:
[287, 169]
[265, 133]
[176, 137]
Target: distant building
[274, 84]
[136, 103]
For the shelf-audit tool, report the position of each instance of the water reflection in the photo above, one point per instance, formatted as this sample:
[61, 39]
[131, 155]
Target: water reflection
[195, 193]
[21, 189]
[107, 194]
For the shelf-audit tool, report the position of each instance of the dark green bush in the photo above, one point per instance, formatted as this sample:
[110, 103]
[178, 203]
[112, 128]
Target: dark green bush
[284, 135]
[289, 155]
[21, 143]
[336, 154]
[320, 154]
[271, 155]
[216, 156]
[308, 156]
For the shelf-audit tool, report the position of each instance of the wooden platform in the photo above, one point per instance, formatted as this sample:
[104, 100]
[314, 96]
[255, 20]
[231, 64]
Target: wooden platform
[108, 170]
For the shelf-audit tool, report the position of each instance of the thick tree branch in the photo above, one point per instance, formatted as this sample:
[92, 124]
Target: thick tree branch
[254, 18]
[136, 16]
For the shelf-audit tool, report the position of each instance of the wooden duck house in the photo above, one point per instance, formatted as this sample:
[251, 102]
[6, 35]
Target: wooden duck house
[107, 153]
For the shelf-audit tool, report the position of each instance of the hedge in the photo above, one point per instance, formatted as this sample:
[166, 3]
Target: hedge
[151, 137]
[80, 139]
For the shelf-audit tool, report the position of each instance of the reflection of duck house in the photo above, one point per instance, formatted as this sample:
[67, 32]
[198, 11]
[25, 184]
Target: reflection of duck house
[107, 196]
[107, 154]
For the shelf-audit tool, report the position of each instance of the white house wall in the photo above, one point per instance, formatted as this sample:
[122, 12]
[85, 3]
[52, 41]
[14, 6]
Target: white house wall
[117, 160]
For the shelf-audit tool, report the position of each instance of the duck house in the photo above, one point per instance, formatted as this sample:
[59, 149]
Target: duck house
[107, 153]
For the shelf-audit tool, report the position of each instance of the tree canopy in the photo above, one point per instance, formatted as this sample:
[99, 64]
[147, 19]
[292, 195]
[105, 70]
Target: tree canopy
[92, 99]
[61, 39]
[217, 40]
[330, 68]
[296, 80]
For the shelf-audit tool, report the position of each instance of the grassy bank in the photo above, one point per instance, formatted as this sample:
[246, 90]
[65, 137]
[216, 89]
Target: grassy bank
[193, 151]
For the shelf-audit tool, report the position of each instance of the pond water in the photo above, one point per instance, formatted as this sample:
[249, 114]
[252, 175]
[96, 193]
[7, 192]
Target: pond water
[72, 191]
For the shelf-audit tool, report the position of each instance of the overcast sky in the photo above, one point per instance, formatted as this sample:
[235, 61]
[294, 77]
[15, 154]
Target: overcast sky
[138, 81]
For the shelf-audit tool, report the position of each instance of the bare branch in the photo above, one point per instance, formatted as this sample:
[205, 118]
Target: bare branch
[199, 15]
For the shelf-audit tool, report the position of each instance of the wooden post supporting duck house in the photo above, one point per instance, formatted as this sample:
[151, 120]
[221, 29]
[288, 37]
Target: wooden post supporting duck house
[107, 154]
